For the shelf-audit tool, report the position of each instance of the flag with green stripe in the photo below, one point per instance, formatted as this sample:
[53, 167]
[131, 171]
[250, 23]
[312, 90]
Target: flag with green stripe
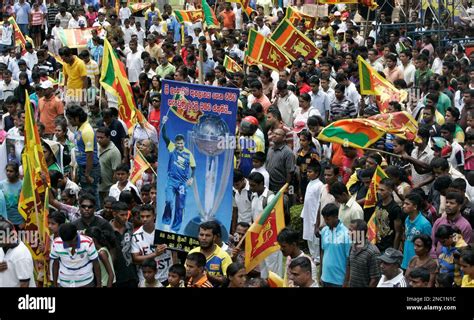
[188, 15]
[294, 42]
[261, 237]
[209, 16]
[264, 51]
[372, 83]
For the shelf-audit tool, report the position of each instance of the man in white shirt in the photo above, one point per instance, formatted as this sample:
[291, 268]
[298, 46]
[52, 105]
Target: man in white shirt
[261, 196]
[392, 275]
[242, 199]
[16, 262]
[124, 12]
[127, 32]
[63, 16]
[262, 27]
[286, 102]
[407, 68]
[123, 184]
[351, 92]
[326, 88]
[7, 85]
[372, 58]
[30, 56]
[6, 41]
[101, 22]
[134, 62]
[310, 210]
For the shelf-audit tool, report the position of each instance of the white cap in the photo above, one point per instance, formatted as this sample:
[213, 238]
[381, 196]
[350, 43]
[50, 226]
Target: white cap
[337, 13]
[46, 84]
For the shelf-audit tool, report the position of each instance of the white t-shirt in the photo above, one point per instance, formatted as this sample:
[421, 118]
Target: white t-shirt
[19, 267]
[243, 202]
[124, 13]
[143, 243]
[7, 33]
[134, 65]
[397, 282]
[115, 191]
[127, 34]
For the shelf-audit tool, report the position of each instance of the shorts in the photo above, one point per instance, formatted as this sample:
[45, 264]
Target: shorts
[35, 29]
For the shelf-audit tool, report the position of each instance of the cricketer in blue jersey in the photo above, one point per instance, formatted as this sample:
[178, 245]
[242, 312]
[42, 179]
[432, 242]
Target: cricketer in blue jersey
[181, 167]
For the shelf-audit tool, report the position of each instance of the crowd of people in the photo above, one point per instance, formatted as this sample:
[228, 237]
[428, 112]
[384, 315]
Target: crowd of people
[102, 224]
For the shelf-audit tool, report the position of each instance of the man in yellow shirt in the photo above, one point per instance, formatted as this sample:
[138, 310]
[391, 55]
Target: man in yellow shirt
[75, 75]
[217, 260]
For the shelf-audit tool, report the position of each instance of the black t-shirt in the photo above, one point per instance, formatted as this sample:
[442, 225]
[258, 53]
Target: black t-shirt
[117, 134]
[9, 123]
[125, 269]
[385, 219]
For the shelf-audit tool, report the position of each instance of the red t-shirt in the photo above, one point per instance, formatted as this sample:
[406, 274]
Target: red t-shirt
[154, 119]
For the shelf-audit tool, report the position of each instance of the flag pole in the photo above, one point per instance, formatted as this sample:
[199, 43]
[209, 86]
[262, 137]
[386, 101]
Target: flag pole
[383, 151]
[367, 23]
[141, 155]
[201, 65]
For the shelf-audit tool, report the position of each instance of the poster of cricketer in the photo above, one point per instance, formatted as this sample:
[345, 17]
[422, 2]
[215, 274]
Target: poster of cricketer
[195, 161]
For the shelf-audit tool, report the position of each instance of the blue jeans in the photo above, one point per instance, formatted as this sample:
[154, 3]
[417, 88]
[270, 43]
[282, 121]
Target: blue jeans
[24, 29]
[92, 188]
[174, 191]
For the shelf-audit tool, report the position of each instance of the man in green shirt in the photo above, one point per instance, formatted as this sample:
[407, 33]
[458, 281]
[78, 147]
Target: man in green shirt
[109, 158]
[443, 100]
[423, 72]
[165, 68]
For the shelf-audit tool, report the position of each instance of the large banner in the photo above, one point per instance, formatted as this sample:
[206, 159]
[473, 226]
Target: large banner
[195, 161]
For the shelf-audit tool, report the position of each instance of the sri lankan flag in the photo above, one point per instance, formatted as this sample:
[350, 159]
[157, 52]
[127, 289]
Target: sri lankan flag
[184, 109]
[265, 52]
[371, 197]
[209, 16]
[356, 133]
[114, 80]
[372, 83]
[293, 41]
[295, 16]
[33, 202]
[140, 165]
[401, 124]
[188, 15]
[75, 38]
[261, 238]
[138, 6]
[231, 65]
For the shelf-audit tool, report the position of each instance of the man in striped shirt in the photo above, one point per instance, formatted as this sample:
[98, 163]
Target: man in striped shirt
[75, 258]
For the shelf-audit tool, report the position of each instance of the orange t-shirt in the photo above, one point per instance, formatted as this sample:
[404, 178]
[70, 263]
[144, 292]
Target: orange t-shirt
[49, 109]
[229, 19]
